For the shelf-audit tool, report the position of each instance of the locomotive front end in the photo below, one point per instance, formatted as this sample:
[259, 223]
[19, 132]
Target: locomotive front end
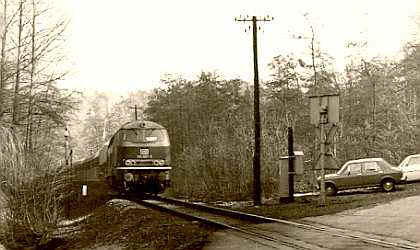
[143, 160]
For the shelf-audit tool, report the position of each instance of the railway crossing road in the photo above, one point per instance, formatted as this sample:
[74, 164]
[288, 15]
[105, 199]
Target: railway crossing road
[397, 221]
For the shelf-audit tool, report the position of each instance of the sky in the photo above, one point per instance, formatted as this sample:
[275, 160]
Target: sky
[129, 45]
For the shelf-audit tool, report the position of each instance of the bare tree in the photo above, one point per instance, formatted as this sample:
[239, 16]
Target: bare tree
[18, 64]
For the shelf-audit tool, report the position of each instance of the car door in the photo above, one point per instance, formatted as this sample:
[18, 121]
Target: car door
[371, 172]
[351, 177]
[412, 169]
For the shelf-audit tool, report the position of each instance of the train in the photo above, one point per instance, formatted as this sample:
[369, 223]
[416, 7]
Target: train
[136, 159]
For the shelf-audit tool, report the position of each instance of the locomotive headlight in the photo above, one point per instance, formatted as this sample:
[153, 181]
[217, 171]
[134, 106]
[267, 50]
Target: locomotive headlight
[128, 162]
[159, 162]
[128, 177]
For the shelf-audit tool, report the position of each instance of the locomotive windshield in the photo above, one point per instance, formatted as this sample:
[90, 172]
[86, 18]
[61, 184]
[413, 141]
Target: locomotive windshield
[144, 135]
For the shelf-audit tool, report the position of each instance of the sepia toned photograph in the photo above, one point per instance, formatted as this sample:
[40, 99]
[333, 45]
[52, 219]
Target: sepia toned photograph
[189, 125]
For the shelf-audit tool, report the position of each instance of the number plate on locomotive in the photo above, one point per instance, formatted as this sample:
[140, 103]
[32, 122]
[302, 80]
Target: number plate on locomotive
[144, 152]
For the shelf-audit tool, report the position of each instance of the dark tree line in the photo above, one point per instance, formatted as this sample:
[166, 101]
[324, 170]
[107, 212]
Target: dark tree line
[210, 120]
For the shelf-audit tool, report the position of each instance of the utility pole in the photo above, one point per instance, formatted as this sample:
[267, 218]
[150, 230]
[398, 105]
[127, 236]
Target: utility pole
[257, 119]
[135, 111]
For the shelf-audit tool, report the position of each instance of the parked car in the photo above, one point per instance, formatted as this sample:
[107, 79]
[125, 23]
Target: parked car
[410, 167]
[369, 172]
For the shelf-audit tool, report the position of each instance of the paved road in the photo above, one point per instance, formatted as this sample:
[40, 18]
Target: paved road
[397, 221]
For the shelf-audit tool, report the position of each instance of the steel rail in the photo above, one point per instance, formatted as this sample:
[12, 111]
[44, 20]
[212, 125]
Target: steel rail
[255, 236]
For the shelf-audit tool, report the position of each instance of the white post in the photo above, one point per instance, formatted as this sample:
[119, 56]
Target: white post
[84, 190]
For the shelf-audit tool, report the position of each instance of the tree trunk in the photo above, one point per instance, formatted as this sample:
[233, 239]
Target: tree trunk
[17, 82]
[3, 58]
[28, 141]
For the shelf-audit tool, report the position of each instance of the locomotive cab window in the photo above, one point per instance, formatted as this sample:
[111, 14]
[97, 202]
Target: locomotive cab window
[144, 135]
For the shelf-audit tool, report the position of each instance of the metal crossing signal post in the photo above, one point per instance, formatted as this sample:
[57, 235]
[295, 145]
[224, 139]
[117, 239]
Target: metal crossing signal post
[291, 156]
[323, 120]
[66, 146]
[324, 111]
[67, 162]
[257, 131]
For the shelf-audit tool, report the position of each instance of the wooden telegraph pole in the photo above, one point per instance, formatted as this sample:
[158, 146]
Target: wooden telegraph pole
[257, 119]
[135, 111]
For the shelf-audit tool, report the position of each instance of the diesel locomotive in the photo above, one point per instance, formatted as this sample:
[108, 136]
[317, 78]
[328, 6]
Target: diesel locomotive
[136, 159]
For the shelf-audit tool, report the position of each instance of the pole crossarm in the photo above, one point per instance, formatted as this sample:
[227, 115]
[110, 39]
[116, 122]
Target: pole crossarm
[250, 19]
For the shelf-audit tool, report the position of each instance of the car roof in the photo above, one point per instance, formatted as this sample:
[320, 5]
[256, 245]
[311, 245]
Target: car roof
[365, 160]
[413, 155]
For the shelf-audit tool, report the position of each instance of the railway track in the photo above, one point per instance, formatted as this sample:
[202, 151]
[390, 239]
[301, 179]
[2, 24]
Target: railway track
[269, 233]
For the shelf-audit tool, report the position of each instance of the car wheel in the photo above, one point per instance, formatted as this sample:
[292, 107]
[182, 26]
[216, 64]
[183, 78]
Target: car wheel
[330, 189]
[388, 185]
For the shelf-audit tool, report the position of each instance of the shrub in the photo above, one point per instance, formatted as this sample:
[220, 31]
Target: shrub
[33, 195]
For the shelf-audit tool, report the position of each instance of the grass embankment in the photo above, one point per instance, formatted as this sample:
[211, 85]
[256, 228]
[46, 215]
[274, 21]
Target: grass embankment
[119, 226]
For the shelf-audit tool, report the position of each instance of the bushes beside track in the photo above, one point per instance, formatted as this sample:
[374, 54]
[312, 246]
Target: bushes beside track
[34, 190]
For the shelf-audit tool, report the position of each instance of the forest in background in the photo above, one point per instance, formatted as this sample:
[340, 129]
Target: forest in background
[209, 119]
[211, 126]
